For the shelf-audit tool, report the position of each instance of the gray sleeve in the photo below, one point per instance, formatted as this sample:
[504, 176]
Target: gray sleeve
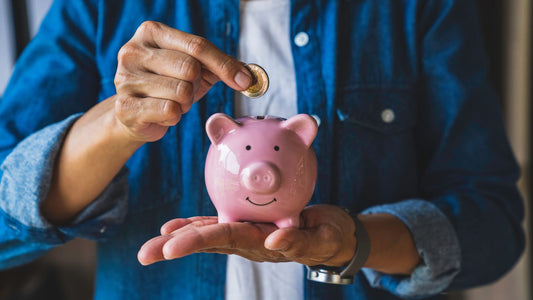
[25, 181]
[436, 242]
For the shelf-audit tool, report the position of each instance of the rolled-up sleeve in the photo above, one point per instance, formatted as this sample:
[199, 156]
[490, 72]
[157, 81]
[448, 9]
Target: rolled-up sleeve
[436, 243]
[54, 81]
[26, 176]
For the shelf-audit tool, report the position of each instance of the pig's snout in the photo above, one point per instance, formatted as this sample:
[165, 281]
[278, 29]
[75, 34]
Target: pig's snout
[261, 177]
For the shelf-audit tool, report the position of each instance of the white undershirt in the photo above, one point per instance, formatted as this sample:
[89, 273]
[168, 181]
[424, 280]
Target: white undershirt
[265, 40]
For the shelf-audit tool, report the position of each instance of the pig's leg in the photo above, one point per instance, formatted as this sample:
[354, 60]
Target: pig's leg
[292, 221]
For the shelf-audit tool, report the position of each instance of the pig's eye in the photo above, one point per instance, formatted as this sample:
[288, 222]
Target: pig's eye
[276, 148]
[248, 147]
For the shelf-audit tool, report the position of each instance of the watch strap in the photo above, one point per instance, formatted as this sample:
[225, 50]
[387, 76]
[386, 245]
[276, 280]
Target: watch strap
[362, 249]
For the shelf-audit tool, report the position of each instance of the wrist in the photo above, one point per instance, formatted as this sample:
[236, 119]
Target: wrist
[393, 248]
[349, 243]
[345, 275]
[100, 126]
[122, 136]
[93, 149]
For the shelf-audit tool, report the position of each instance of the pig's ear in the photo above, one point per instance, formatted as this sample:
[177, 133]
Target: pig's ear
[219, 125]
[305, 127]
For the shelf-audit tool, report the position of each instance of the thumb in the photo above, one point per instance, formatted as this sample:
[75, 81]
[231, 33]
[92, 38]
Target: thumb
[288, 240]
[311, 246]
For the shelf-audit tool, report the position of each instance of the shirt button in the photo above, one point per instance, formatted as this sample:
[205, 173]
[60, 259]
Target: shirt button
[387, 115]
[317, 119]
[301, 39]
[102, 230]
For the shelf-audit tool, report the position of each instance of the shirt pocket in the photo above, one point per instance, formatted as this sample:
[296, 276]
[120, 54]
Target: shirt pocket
[383, 110]
[376, 150]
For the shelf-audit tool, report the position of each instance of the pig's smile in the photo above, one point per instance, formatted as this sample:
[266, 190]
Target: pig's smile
[258, 204]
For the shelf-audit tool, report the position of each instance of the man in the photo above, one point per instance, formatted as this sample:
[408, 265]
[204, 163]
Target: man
[410, 135]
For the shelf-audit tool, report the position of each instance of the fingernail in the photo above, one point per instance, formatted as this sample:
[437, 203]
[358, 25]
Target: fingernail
[279, 246]
[243, 79]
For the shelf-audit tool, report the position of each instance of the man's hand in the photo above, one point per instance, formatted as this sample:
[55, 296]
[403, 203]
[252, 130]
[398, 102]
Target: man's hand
[162, 71]
[326, 237]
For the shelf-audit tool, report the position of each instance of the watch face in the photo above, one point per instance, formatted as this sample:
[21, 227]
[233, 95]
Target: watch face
[327, 276]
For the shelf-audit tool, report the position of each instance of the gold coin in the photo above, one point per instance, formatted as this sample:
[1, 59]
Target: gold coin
[259, 82]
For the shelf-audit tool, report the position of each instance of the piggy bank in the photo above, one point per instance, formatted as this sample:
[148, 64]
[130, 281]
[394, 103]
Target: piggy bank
[261, 169]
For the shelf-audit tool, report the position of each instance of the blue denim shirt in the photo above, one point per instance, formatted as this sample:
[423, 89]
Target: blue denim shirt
[409, 127]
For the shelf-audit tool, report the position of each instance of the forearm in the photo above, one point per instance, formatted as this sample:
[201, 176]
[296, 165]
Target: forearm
[392, 249]
[93, 152]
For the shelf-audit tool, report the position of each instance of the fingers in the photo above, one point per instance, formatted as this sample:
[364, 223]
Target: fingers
[227, 68]
[181, 237]
[151, 252]
[166, 62]
[309, 246]
[161, 64]
[138, 113]
[176, 224]
[207, 81]
[326, 237]
[171, 76]
[194, 238]
[162, 87]
[258, 242]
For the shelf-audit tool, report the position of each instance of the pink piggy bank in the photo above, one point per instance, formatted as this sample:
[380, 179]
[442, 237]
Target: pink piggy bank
[261, 169]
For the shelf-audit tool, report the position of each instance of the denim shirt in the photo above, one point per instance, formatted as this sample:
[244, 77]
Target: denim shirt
[409, 126]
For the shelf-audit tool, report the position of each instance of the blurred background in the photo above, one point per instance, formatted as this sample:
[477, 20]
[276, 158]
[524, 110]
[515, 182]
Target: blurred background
[67, 272]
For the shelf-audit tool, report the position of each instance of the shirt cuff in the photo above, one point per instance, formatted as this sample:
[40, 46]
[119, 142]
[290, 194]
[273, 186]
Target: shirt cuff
[436, 242]
[27, 173]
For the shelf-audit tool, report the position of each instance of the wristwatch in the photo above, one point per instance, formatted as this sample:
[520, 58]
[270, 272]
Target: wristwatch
[344, 275]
